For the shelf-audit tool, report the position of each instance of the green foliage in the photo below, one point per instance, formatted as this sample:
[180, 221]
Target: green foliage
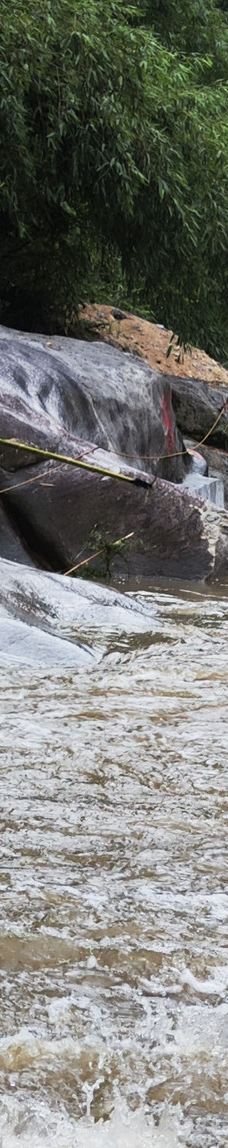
[114, 161]
[193, 28]
[104, 549]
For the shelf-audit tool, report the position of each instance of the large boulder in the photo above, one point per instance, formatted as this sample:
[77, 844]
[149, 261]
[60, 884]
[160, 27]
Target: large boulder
[71, 514]
[64, 388]
[104, 407]
[198, 408]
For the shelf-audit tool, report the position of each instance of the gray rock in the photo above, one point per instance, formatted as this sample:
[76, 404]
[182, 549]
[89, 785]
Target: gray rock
[73, 513]
[197, 406]
[49, 620]
[92, 402]
[211, 489]
[65, 387]
[217, 462]
[118, 314]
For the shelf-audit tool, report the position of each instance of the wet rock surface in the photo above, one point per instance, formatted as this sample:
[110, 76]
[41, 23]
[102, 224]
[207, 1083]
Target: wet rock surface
[197, 406]
[49, 620]
[91, 392]
[72, 514]
[217, 461]
[91, 402]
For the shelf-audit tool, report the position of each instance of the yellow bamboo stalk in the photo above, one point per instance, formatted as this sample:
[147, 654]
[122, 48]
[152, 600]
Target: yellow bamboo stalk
[94, 469]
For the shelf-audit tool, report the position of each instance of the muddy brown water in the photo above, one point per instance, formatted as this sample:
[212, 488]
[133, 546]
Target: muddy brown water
[113, 881]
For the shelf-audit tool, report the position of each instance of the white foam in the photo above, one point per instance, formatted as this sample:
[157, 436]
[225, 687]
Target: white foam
[92, 962]
[212, 985]
[125, 1129]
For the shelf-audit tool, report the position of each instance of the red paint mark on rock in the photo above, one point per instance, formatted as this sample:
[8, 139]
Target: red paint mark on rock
[168, 422]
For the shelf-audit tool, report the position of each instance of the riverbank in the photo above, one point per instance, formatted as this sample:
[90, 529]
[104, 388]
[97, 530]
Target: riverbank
[151, 341]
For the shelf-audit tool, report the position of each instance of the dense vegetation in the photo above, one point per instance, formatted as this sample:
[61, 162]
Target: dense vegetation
[114, 161]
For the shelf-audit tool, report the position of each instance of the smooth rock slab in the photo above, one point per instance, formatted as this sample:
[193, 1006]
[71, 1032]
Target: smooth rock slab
[73, 513]
[46, 619]
[23, 643]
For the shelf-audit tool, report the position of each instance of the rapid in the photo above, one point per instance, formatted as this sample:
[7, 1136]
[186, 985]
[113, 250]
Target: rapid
[114, 904]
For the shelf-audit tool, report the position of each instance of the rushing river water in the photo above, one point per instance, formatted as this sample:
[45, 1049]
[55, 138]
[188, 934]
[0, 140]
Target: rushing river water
[114, 906]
